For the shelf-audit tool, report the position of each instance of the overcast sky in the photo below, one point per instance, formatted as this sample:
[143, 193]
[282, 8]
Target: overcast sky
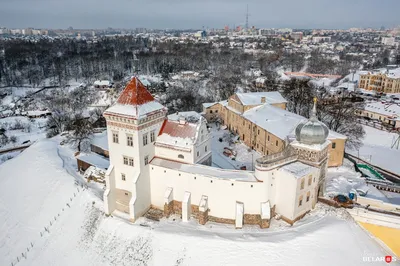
[184, 14]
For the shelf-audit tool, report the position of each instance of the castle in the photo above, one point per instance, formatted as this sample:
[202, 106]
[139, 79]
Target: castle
[163, 162]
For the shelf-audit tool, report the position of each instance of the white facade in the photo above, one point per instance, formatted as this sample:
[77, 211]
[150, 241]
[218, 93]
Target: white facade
[159, 176]
[388, 41]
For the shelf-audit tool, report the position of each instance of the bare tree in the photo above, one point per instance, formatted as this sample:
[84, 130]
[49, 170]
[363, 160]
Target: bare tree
[81, 131]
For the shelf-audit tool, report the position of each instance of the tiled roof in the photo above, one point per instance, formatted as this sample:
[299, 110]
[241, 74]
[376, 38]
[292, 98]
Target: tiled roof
[135, 93]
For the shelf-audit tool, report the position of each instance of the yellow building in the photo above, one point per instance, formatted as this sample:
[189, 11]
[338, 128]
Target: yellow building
[262, 123]
[385, 82]
[386, 113]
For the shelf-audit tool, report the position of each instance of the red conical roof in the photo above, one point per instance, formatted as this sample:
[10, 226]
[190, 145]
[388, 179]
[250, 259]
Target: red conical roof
[135, 93]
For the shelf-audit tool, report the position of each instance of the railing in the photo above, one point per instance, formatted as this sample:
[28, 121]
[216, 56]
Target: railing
[288, 154]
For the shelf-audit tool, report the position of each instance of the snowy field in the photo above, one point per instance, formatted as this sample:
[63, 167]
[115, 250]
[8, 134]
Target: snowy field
[377, 150]
[46, 219]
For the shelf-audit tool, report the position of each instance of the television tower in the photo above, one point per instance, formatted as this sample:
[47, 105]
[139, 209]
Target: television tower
[247, 17]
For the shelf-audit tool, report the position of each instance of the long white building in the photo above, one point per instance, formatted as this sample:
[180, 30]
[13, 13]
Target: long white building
[162, 162]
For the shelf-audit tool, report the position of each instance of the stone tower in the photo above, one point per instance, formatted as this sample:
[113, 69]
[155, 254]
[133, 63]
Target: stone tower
[133, 123]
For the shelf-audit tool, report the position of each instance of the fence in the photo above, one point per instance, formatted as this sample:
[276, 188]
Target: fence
[52, 221]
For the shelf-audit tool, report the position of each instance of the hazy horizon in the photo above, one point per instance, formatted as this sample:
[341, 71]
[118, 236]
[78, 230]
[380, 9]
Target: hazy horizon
[190, 14]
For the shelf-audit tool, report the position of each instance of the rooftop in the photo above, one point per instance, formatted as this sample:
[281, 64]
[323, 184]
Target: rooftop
[135, 101]
[387, 109]
[206, 171]
[100, 140]
[298, 169]
[94, 159]
[180, 129]
[254, 98]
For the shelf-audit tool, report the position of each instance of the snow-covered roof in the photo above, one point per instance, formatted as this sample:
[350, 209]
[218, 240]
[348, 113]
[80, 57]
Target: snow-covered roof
[102, 83]
[273, 119]
[387, 109]
[100, 140]
[391, 73]
[180, 129]
[135, 101]
[207, 171]
[298, 169]
[254, 98]
[207, 105]
[94, 159]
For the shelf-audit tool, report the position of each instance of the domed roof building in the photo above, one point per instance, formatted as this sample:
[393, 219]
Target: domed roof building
[313, 131]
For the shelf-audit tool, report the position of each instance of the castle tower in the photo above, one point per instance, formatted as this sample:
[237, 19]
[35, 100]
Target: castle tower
[133, 123]
[311, 145]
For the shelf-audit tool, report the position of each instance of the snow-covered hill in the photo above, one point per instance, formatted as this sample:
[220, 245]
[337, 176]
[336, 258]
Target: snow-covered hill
[35, 189]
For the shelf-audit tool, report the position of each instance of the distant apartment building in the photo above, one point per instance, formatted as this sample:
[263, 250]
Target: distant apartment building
[387, 81]
[296, 36]
[319, 39]
[390, 41]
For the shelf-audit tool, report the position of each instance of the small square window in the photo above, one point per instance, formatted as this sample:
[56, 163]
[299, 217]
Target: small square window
[125, 160]
[130, 161]
[333, 145]
[123, 177]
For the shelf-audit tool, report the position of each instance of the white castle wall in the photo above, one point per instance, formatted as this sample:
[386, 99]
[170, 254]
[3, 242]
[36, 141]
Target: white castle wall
[222, 195]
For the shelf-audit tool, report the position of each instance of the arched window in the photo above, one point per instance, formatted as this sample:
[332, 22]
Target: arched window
[180, 156]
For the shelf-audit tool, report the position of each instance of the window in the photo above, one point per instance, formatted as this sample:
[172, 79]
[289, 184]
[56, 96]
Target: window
[216, 111]
[205, 148]
[258, 132]
[128, 161]
[333, 145]
[152, 136]
[123, 177]
[180, 156]
[309, 181]
[146, 160]
[308, 197]
[302, 184]
[198, 153]
[268, 138]
[210, 111]
[145, 139]
[276, 143]
[129, 140]
[115, 137]
[300, 201]
[314, 180]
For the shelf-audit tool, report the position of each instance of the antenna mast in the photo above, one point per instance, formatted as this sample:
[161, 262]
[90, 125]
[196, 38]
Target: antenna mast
[247, 17]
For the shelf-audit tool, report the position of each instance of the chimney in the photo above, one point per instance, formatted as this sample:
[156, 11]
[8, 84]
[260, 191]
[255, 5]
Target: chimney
[182, 120]
[262, 99]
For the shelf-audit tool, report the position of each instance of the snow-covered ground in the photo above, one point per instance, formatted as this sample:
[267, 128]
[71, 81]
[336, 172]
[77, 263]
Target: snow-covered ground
[342, 180]
[244, 156]
[35, 129]
[377, 149]
[39, 228]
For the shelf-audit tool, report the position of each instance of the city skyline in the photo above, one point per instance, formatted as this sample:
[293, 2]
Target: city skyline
[176, 14]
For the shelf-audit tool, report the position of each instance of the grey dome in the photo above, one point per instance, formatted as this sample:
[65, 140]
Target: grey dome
[312, 131]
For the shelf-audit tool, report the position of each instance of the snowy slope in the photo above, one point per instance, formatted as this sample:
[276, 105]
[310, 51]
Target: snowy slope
[34, 188]
[377, 150]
